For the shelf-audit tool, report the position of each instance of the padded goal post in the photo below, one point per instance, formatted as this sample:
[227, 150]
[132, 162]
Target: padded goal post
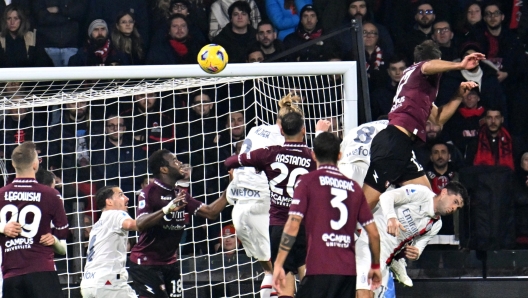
[75, 115]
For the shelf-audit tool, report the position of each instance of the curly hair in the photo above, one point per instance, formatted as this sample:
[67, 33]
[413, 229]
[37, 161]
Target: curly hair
[290, 103]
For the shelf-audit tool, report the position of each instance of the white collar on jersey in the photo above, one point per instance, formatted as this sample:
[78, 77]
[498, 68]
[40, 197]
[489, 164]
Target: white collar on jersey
[294, 144]
[160, 184]
[25, 180]
[328, 167]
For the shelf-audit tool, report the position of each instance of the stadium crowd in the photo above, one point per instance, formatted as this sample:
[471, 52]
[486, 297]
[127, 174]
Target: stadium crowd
[488, 129]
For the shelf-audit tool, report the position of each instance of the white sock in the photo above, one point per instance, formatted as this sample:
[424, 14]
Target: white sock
[266, 287]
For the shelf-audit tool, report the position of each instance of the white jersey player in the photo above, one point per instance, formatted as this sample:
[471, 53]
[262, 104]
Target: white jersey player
[355, 150]
[105, 274]
[249, 193]
[406, 218]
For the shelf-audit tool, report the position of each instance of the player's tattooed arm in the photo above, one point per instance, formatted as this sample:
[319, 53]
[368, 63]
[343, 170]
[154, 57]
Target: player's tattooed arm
[291, 229]
[287, 242]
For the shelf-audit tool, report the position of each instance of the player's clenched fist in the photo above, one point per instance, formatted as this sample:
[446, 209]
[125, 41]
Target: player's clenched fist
[393, 227]
[176, 204]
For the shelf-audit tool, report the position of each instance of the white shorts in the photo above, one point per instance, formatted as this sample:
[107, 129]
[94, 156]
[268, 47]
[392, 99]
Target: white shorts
[363, 263]
[121, 291]
[251, 221]
[355, 171]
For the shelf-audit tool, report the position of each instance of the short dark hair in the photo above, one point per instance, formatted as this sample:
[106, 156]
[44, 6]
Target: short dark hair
[396, 58]
[106, 192]
[44, 177]
[456, 188]
[254, 48]
[491, 3]
[292, 123]
[176, 16]
[242, 6]
[427, 50]
[24, 155]
[494, 108]
[266, 22]
[326, 147]
[156, 161]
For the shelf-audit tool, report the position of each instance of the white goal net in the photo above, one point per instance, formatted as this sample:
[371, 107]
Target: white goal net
[96, 126]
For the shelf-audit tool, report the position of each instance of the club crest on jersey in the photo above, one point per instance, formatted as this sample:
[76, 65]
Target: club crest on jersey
[142, 204]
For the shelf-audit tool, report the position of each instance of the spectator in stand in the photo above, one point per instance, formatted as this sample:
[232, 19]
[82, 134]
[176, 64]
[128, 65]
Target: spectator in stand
[108, 11]
[203, 128]
[179, 7]
[152, 129]
[283, 15]
[381, 98]
[267, 39]
[255, 54]
[71, 141]
[361, 8]
[116, 161]
[331, 13]
[465, 124]
[18, 45]
[440, 171]
[126, 41]
[471, 25]
[178, 47]
[20, 125]
[222, 15]
[98, 49]
[308, 29]
[422, 30]
[501, 46]
[238, 35]
[443, 36]
[495, 146]
[58, 26]
[484, 74]
[375, 57]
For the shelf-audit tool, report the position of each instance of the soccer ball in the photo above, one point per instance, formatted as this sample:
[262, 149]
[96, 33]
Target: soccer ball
[212, 58]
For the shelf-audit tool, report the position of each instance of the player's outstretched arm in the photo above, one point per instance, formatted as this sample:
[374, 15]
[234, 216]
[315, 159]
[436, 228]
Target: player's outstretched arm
[149, 220]
[129, 224]
[212, 210]
[436, 66]
[291, 229]
[11, 229]
[374, 275]
[442, 114]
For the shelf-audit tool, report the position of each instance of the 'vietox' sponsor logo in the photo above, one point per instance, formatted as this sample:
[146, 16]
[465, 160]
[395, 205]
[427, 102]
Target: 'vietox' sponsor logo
[244, 192]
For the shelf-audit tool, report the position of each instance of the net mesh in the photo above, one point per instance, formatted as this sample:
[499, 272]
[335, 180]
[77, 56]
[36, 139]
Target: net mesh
[94, 133]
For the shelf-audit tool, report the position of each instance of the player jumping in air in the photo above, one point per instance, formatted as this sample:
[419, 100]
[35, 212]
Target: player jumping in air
[392, 159]
[282, 166]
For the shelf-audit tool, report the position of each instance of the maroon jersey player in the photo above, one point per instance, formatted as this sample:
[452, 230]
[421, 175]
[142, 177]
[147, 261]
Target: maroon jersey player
[392, 160]
[330, 205]
[26, 210]
[161, 220]
[283, 165]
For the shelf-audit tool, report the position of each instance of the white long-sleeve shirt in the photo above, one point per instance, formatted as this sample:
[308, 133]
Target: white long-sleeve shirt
[413, 206]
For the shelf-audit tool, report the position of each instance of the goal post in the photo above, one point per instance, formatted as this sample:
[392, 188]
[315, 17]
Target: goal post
[67, 112]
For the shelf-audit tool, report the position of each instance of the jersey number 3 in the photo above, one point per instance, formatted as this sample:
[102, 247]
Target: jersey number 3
[29, 230]
[337, 202]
